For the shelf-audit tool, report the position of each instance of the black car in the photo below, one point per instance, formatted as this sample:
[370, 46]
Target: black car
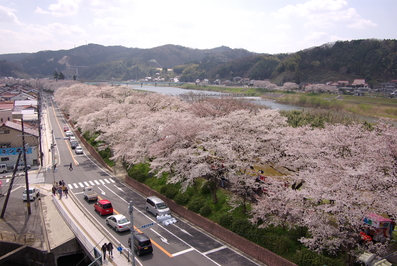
[142, 244]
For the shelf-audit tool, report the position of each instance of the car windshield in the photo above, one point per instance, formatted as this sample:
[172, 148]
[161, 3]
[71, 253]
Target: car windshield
[123, 221]
[30, 191]
[162, 206]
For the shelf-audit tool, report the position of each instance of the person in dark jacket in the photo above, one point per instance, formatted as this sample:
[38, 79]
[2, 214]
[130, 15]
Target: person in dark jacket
[104, 248]
[110, 249]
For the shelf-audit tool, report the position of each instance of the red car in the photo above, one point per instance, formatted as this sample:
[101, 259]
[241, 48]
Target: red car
[65, 128]
[103, 207]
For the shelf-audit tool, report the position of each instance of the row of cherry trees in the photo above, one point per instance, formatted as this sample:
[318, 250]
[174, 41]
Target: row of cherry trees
[346, 171]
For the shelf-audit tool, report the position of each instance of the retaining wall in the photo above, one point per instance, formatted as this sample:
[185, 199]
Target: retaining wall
[239, 242]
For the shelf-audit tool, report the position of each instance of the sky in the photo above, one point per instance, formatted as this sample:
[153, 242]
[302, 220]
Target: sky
[261, 26]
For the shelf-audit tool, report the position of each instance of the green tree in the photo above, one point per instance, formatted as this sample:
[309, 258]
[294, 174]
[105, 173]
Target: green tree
[55, 75]
[61, 76]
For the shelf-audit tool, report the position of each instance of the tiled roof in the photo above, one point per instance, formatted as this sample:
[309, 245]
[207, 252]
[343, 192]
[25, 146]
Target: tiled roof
[17, 126]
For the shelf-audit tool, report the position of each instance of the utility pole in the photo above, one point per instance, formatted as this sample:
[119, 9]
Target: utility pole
[25, 166]
[39, 110]
[130, 210]
[10, 187]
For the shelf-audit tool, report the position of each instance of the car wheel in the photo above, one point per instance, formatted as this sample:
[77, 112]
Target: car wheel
[116, 229]
[107, 222]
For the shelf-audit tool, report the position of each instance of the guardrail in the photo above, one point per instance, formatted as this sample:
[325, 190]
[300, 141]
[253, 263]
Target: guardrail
[80, 235]
[85, 241]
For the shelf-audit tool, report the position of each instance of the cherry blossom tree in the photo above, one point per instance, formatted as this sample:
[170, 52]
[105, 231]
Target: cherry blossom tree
[290, 86]
[348, 172]
[264, 84]
[321, 88]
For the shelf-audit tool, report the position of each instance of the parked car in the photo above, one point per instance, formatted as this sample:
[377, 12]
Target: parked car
[65, 128]
[103, 207]
[78, 150]
[3, 168]
[72, 138]
[142, 244]
[157, 206]
[33, 194]
[118, 222]
[22, 167]
[68, 133]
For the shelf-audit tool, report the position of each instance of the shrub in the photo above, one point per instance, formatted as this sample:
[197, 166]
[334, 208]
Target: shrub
[196, 204]
[242, 227]
[182, 199]
[205, 210]
[226, 220]
[169, 191]
[206, 188]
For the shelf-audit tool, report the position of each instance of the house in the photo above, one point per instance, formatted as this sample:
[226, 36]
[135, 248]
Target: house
[6, 109]
[359, 83]
[343, 83]
[11, 143]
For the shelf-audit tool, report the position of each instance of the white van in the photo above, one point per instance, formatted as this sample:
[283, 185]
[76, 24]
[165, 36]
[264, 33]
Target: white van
[156, 206]
[3, 168]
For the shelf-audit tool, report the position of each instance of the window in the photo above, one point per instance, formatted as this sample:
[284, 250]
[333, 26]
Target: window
[5, 159]
[5, 131]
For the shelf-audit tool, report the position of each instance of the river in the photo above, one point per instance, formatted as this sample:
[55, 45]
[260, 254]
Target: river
[179, 91]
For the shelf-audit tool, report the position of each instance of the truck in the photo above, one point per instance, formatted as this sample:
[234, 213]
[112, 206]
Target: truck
[90, 194]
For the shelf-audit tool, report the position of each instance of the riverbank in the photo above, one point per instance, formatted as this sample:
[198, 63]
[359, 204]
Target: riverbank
[371, 106]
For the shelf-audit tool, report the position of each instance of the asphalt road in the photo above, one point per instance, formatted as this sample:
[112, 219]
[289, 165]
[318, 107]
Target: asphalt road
[176, 244]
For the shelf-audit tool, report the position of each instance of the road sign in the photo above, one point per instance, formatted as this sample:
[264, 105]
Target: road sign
[147, 225]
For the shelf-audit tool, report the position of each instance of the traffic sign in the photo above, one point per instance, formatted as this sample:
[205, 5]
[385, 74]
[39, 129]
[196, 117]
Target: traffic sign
[147, 225]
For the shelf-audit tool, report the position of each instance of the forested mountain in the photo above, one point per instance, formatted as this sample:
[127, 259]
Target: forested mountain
[370, 59]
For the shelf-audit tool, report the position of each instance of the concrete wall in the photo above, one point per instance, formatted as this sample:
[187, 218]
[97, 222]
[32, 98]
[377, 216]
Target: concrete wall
[27, 256]
[246, 246]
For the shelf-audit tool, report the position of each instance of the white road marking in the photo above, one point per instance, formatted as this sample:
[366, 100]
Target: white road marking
[182, 252]
[214, 250]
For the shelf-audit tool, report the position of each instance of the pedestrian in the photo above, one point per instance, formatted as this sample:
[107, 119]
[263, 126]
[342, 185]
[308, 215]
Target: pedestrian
[70, 166]
[66, 191]
[63, 182]
[60, 182]
[54, 190]
[60, 192]
[104, 248]
[110, 249]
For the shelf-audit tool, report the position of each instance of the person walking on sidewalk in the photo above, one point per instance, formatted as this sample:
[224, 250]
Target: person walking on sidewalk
[110, 249]
[66, 191]
[60, 192]
[54, 190]
[104, 248]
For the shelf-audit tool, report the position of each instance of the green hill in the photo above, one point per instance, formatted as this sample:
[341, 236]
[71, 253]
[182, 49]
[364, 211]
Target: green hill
[370, 59]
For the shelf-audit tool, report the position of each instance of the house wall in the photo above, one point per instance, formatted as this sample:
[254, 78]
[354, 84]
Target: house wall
[11, 143]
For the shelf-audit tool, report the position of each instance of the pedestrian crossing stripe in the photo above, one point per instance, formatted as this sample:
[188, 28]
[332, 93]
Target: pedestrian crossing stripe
[90, 183]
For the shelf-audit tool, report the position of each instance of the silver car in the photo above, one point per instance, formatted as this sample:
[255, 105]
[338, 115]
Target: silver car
[78, 150]
[119, 222]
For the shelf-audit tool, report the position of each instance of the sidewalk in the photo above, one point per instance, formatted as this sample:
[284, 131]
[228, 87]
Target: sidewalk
[90, 235]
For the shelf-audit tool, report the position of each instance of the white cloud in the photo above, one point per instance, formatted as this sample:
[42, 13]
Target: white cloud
[63, 8]
[324, 14]
[7, 15]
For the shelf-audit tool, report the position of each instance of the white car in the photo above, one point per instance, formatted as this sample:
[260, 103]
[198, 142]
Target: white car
[33, 192]
[68, 133]
[78, 150]
[118, 222]
[22, 167]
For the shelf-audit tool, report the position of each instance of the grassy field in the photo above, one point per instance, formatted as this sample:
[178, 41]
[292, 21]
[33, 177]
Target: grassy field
[378, 107]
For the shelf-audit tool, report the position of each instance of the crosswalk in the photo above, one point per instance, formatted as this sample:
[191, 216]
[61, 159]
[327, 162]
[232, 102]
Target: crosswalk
[91, 183]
